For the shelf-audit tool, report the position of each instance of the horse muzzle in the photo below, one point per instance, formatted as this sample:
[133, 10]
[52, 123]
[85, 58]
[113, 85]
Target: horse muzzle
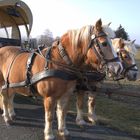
[131, 75]
[115, 69]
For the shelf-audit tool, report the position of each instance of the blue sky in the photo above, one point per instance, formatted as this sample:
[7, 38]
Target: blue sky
[60, 15]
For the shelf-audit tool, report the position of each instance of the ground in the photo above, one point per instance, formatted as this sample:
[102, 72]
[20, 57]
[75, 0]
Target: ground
[29, 125]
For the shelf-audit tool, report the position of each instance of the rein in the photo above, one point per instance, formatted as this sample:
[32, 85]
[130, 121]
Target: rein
[130, 68]
[69, 68]
[126, 68]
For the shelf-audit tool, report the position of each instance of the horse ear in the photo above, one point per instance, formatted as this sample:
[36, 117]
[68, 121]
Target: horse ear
[133, 41]
[98, 25]
[109, 24]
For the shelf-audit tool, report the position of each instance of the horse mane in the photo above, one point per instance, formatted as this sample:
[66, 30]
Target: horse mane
[130, 47]
[84, 33]
[79, 37]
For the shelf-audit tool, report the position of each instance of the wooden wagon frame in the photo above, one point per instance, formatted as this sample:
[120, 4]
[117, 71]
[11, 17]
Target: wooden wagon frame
[13, 15]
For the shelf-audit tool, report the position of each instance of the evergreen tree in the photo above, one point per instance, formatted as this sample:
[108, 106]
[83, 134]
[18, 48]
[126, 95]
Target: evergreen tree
[121, 33]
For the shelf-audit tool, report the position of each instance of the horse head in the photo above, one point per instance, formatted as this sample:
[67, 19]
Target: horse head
[126, 51]
[100, 49]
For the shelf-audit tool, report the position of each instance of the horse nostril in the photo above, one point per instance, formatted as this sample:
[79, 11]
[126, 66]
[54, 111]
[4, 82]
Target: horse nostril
[135, 75]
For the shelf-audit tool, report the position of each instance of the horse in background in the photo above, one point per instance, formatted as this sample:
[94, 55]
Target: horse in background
[126, 51]
[52, 73]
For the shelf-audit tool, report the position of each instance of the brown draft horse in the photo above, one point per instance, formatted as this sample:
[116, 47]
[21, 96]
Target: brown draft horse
[54, 71]
[126, 51]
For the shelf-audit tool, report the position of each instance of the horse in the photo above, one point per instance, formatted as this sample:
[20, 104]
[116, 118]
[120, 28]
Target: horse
[126, 51]
[52, 72]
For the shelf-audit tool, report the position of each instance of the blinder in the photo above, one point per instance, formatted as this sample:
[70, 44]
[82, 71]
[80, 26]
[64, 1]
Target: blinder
[125, 65]
[99, 48]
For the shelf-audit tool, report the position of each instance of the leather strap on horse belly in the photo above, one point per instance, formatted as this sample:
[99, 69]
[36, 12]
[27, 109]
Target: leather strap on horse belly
[9, 69]
[44, 74]
[28, 72]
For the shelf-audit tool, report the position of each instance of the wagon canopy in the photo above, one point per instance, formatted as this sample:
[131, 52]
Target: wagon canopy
[14, 14]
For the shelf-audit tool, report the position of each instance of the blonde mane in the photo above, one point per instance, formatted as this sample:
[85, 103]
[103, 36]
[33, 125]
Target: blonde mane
[130, 47]
[85, 34]
[79, 35]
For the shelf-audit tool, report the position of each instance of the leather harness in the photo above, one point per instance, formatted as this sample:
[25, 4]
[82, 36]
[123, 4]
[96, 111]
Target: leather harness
[65, 75]
[32, 79]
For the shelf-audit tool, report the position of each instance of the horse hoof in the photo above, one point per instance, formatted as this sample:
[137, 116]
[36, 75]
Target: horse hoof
[49, 137]
[13, 117]
[9, 122]
[80, 122]
[1, 111]
[63, 133]
[93, 123]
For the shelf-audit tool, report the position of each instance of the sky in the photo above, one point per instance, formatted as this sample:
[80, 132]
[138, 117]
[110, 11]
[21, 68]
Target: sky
[61, 15]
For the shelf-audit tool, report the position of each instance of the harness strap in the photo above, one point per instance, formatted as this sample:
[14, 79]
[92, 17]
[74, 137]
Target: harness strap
[43, 74]
[28, 72]
[9, 69]
[116, 59]
[64, 54]
[48, 57]
[130, 68]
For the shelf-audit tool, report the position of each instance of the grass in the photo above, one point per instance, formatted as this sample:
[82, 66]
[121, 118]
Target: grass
[119, 112]
[121, 115]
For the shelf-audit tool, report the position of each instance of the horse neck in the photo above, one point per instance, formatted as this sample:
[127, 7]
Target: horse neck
[74, 52]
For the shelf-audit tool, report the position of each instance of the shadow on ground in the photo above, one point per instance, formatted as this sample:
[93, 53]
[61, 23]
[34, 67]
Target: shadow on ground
[29, 125]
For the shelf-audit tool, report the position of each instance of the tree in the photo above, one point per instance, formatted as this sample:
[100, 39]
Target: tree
[121, 33]
[46, 38]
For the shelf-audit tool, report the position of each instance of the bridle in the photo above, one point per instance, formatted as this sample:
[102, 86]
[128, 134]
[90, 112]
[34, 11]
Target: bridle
[95, 44]
[126, 66]
[97, 48]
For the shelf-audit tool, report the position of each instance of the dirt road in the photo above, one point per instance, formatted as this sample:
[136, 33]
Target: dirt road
[29, 125]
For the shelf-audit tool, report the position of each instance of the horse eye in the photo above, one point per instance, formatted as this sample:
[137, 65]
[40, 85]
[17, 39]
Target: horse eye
[125, 56]
[104, 44]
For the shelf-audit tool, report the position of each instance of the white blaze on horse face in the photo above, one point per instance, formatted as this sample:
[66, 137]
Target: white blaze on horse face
[132, 73]
[116, 66]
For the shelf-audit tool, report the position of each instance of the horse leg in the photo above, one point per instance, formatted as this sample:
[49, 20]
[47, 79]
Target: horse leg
[49, 105]
[62, 105]
[1, 104]
[91, 108]
[11, 111]
[79, 106]
[5, 102]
